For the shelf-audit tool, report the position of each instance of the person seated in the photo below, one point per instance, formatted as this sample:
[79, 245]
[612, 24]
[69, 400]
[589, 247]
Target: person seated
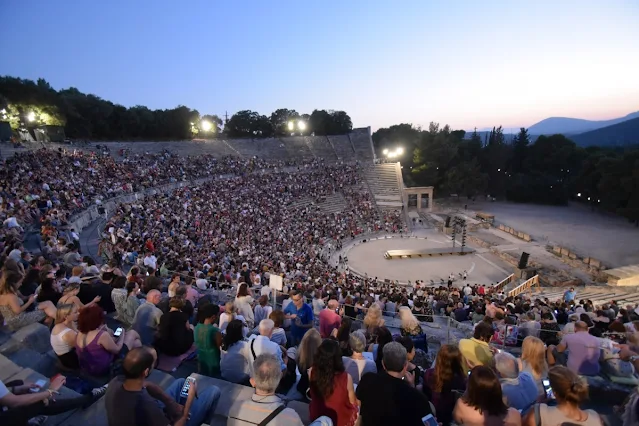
[305, 356]
[264, 404]
[279, 334]
[175, 333]
[373, 320]
[356, 365]
[262, 309]
[583, 351]
[25, 403]
[230, 314]
[131, 400]
[17, 313]
[476, 350]
[550, 332]
[125, 299]
[48, 291]
[234, 363]
[410, 326]
[331, 388]
[64, 335]
[444, 381]
[208, 340]
[342, 334]
[95, 345]
[482, 404]
[533, 361]
[518, 388]
[262, 343]
[570, 391]
[70, 295]
[147, 318]
[389, 397]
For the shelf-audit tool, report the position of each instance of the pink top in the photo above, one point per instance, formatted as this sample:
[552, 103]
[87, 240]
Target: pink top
[469, 416]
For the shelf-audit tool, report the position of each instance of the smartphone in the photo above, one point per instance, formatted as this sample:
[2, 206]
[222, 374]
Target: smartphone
[549, 392]
[118, 332]
[39, 385]
[429, 420]
[184, 393]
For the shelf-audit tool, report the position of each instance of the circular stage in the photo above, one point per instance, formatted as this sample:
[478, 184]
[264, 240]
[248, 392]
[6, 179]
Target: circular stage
[368, 258]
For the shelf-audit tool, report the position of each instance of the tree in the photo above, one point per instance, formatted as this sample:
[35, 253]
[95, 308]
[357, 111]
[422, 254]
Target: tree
[320, 122]
[520, 147]
[249, 124]
[466, 179]
[340, 123]
[280, 119]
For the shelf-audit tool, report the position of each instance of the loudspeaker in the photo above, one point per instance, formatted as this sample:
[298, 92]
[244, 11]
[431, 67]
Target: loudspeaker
[448, 222]
[101, 210]
[523, 260]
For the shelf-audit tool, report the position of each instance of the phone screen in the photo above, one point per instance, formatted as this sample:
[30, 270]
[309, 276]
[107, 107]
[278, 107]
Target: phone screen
[429, 420]
[549, 392]
[185, 388]
[118, 332]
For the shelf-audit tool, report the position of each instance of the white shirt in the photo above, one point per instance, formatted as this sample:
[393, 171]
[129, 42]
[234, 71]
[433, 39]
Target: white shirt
[11, 223]
[265, 291]
[202, 283]
[263, 345]
[151, 261]
[468, 291]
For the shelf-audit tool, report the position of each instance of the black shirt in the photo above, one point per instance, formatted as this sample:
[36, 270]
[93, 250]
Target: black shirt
[387, 400]
[128, 408]
[173, 337]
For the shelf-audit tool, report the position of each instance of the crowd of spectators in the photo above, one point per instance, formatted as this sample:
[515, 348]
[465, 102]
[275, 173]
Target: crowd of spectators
[353, 347]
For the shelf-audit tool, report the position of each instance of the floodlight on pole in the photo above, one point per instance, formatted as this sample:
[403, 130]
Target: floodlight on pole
[206, 125]
[291, 126]
[31, 116]
[301, 125]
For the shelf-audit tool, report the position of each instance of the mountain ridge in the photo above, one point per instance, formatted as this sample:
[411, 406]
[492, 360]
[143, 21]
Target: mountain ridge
[574, 126]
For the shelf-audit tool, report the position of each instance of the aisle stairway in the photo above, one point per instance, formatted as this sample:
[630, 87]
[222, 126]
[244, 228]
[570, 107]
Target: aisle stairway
[384, 182]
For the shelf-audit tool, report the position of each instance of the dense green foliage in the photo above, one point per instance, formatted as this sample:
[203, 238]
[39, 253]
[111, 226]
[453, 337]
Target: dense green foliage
[552, 170]
[25, 103]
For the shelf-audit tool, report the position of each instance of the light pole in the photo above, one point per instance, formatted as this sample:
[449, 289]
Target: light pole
[301, 126]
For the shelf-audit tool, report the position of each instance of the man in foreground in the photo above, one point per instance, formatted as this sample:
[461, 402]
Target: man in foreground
[131, 400]
[390, 397]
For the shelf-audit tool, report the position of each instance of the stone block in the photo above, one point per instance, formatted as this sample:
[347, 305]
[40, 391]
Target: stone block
[520, 235]
[8, 368]
[564, 251]
[572, 255]
[595, 263]
[527, 237]
[501, 227]
[556, 250]
[586, 260]
[34, 336]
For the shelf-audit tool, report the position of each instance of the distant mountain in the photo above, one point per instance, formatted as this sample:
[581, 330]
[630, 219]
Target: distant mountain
[571, 126]
[625, 133]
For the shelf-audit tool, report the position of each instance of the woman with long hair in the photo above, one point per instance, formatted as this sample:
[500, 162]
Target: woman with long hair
[570, 391]
[533, 361]
[373, 318]
[234, 365]
[279, 335]
[483, 404]
[342, 334]
[175, 333]
[331, 387]
[262, 309]
[410, 326]
[304, 357]
[442, 381]
[244, 305]
[230, 314]
[384, 337]
[16, 312]
[64, 334]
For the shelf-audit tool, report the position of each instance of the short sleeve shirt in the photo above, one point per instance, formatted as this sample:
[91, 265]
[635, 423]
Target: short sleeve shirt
[305, 314]
[131, 408]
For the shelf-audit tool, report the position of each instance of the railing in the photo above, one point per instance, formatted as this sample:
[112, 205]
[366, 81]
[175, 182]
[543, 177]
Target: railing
[503, 283]
[524, 286]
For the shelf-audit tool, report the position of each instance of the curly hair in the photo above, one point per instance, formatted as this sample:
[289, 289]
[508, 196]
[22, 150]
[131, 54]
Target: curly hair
[448, 365]
[326, 364]
[373, 317]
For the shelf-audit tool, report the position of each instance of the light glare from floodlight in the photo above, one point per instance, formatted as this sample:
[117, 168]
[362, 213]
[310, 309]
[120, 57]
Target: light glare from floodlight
[291, 126]
[31, 116]
[578, 194]
[206, 125]
[301, 125]
[399, 150]
[385, 152]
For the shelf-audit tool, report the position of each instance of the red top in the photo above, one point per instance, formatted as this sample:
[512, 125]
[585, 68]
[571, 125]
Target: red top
[338, 407]
[328, 320]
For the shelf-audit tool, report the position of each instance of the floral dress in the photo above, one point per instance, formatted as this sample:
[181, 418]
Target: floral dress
[15, 321]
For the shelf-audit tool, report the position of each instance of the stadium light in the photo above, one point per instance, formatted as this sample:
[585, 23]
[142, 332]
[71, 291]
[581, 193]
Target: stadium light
[31, 116]
[578, 194]
[399, 150]
[301, 125]
[385, 152]
[206, 125]
[291, 126]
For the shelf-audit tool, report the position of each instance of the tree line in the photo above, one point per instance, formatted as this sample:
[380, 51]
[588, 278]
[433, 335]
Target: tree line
[25, 104]
[552, 170]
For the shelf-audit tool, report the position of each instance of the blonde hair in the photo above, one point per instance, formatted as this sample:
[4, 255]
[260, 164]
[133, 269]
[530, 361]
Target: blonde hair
[229, 309]
[533, 352]
[373, 317]
[409, 322]
[307, 349]
[63, 311]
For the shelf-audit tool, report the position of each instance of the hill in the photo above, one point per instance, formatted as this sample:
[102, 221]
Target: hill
[569, 126]
[625, 133]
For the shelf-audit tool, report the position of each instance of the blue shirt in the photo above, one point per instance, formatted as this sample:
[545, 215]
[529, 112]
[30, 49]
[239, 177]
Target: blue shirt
[569, 296]
[521, 393]
[305, 314]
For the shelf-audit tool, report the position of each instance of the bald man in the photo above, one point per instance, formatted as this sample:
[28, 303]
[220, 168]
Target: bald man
[131, 400]
[147, 318]
[584, 351]
[329, 318]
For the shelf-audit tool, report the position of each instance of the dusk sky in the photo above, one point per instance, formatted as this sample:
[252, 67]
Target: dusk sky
[465, 63]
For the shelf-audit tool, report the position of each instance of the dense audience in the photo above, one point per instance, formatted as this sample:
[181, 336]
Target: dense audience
[199, 263]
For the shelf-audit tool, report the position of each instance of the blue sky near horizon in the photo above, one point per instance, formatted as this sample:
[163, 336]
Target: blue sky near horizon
[465, 63]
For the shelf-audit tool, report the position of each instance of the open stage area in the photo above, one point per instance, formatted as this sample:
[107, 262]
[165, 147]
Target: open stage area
[369, 258]
[611, 239]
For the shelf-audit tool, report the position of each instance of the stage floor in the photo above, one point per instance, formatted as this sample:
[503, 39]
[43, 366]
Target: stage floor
[483, 268]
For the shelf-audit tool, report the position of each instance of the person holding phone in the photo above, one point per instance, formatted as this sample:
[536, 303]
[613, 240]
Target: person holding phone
[131, 400]
[21, 401]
